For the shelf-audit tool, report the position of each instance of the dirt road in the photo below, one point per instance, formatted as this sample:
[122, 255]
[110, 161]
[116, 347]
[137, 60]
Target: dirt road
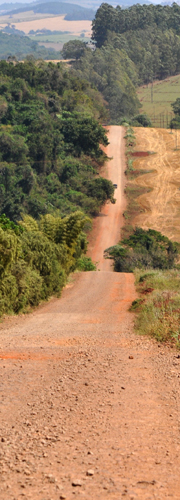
[107, 226]
[88, 409]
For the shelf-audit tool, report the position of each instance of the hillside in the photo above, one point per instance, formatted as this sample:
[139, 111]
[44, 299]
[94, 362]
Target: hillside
[22, 46]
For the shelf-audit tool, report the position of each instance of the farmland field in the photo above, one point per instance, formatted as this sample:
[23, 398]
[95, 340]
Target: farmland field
[29, 21]
[161, 206]
[156, 100]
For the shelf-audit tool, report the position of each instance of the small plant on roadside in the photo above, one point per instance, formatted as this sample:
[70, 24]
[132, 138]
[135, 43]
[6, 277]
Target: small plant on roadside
[158, 307]
[85, 263]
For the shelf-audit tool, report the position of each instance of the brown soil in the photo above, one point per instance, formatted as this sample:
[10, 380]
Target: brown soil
[140, 154]
[88, 409]
[160, 206]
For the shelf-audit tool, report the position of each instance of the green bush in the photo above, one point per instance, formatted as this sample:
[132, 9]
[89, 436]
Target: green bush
[35, 263]
[143, 249]
[85, 264]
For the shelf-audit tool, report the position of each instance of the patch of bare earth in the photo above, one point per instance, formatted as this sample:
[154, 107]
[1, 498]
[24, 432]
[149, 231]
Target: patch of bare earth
[88, 409]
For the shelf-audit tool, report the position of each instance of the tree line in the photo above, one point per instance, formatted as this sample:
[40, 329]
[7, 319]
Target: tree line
[149, 34]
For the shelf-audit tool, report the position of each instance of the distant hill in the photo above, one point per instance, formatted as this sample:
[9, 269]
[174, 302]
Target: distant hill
[71, 11]
[20, 47]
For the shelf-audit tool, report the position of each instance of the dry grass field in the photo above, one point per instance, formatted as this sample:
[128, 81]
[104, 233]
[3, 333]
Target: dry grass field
[161, 206]
[29, 21]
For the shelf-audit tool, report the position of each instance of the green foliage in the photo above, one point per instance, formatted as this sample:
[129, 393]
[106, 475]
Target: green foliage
[21, 46]
[35, 262]
[141, 120]
[9, 249]
[6, 224]
[50, 141]
[85, 264]
[175, 122]
[149, 34]
[114, 74]
[83, 135]
[74, 49]
[143, 249]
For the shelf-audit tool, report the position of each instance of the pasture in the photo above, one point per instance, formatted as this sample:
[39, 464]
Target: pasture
[156, 100]
[57, 41]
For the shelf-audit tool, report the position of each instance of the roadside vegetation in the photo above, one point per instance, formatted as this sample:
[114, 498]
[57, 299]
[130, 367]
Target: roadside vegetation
[154, 260]
[143, 249]
[158, 308]
[37, 256]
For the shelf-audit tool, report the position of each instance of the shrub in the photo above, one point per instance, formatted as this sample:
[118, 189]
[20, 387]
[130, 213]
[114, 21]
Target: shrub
[85, 264]
[143, 249]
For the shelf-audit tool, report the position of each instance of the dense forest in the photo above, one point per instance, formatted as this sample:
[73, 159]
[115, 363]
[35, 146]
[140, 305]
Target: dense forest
[148, 33]
[49, 141]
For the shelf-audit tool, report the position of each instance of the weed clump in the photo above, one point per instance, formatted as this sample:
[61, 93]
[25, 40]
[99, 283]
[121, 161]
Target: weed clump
[158, 311]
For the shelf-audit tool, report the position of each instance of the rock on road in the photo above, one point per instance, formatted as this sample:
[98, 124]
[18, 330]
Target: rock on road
[87, 408]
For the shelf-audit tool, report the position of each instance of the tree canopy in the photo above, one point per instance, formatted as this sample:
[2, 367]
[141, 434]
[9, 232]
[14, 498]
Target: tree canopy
[150, 35]
[50, 141]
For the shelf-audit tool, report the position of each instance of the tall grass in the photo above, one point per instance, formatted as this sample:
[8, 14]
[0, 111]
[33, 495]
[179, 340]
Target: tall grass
[158, 307]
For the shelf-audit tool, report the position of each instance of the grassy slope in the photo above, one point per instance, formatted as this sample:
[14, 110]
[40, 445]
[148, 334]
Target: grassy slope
[164, 93]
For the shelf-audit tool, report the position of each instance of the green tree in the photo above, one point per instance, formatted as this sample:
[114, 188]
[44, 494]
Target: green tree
[74, 49]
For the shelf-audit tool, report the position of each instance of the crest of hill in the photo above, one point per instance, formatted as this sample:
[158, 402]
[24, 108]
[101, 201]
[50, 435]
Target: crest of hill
[71, 11]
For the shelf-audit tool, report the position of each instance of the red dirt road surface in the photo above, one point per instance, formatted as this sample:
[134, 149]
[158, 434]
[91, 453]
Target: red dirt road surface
[88, 409]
